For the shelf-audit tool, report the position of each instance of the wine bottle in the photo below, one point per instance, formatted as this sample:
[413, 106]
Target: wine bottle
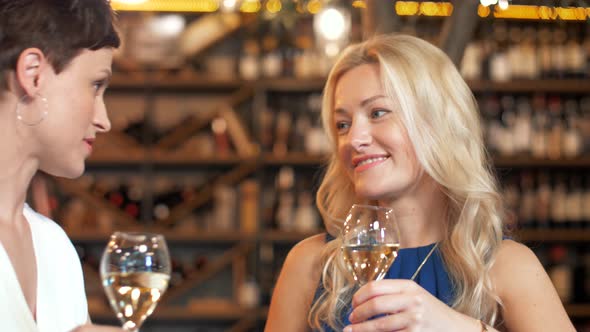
[574, 201]
[586, 202]
[224, 210]
[572, 139]
[539, 139]
[543, 204]
[560, 272]
[556, 129]
[523, 127]
[526, 214]
[558, 56]
[558, 203]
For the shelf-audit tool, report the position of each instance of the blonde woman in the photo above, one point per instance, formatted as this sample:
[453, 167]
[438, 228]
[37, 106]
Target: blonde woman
[406, 134]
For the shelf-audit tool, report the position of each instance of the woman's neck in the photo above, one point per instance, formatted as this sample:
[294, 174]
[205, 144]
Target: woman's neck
[17, 166]
[421, 215]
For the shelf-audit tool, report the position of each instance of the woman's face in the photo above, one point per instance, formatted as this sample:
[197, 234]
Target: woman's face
[373, 144]
[76, 112]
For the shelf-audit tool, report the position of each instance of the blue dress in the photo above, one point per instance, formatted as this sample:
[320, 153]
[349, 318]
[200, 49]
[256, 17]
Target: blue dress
[433, 277]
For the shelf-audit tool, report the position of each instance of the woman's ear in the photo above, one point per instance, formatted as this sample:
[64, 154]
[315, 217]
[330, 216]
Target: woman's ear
[30, 66]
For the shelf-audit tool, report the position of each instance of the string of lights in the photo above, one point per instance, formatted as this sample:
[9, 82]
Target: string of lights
[488, 8]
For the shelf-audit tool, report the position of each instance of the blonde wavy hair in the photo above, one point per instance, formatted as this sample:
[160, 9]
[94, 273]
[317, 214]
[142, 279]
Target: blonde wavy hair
[441, 116]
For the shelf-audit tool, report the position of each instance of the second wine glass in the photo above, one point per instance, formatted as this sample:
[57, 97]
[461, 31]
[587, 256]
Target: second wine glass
[370, 242]
[135, 270]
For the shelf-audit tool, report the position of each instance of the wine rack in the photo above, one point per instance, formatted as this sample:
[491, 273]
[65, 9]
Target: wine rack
[224, 164]
[240, 252]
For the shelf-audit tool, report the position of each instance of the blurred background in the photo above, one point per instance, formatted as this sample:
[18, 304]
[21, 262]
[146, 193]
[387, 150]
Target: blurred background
[217, 144]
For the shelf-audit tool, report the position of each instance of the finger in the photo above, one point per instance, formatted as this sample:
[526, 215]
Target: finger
[385, 304]
[381, 287]
[403, 321]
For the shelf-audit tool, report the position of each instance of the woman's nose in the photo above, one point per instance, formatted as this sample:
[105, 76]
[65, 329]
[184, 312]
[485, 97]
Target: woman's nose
[101, 119]
[359, 135]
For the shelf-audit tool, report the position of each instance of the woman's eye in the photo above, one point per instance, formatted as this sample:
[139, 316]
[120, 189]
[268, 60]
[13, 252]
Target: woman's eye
[341, 126]
[377, 113]
[98, 85]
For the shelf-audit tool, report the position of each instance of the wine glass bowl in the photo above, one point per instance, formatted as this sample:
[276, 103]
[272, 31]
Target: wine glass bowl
[370, 242]
[135, 270]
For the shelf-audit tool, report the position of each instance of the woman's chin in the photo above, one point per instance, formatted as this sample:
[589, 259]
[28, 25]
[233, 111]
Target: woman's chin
[67, 173]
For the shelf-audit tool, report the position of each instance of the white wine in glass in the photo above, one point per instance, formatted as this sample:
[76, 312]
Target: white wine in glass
[370, 242]
[135, 270]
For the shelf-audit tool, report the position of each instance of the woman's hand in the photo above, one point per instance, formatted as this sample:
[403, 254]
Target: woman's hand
[403, 305]
[96, 328]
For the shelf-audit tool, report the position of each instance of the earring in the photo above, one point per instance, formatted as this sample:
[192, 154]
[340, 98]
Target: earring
[29, 118]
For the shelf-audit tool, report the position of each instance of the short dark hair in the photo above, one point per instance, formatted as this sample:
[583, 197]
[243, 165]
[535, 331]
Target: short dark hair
[59, 28]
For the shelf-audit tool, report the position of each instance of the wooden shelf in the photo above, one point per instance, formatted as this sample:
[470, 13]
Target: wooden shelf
[575, 86]
[220, 237]
[172, 313]
[285, 237]
[186, 314]
[141, 80]
[191, 160]
[110, 159]
[202, 82]
[553, 235]
[525, 235]
[184, 81]
[526, 161]
[144, 157]
[499, 161]
[578, 310]
[300, 159]
[294, 159]
[293, 84]
[171, 236]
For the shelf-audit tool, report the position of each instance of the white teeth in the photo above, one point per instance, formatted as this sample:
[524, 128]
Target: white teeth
[371, 160]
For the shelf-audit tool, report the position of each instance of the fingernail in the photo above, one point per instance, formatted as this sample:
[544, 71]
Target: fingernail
[347, 329]
[351, 317]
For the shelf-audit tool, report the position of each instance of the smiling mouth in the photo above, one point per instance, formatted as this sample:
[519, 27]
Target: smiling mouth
[370, 161]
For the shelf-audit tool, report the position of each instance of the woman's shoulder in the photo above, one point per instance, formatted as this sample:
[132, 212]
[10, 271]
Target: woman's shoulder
[296, 286]
[313, 241]
[306, 254]
[511, 251]
[511, 254]
[47, 233]
[303, 263]
[48, 226]
[529, 300]
[515, 265]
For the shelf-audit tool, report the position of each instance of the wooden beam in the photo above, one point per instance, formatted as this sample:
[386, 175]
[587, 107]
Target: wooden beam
[243, 325]
[206, 193]
[186, 130]
[98, 203]
[379, 17]
[458, 29]
[215, 266]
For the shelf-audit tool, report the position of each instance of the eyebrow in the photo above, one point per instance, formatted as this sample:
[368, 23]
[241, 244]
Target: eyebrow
[108, 72]
[363, 103]
[367, 101]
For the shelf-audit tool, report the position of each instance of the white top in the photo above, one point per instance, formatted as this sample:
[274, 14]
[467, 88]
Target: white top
[61, 300]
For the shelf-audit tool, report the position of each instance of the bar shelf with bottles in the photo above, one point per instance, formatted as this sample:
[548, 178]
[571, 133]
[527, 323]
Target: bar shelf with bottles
[568, 268]
[505, 51]
[541, 200]
[263, 203]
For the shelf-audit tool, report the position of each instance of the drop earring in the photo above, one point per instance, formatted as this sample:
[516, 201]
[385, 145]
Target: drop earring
[30, 118]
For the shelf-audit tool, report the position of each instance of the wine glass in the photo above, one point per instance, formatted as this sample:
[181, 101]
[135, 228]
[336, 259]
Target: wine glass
[135, 270]
[370, 242]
